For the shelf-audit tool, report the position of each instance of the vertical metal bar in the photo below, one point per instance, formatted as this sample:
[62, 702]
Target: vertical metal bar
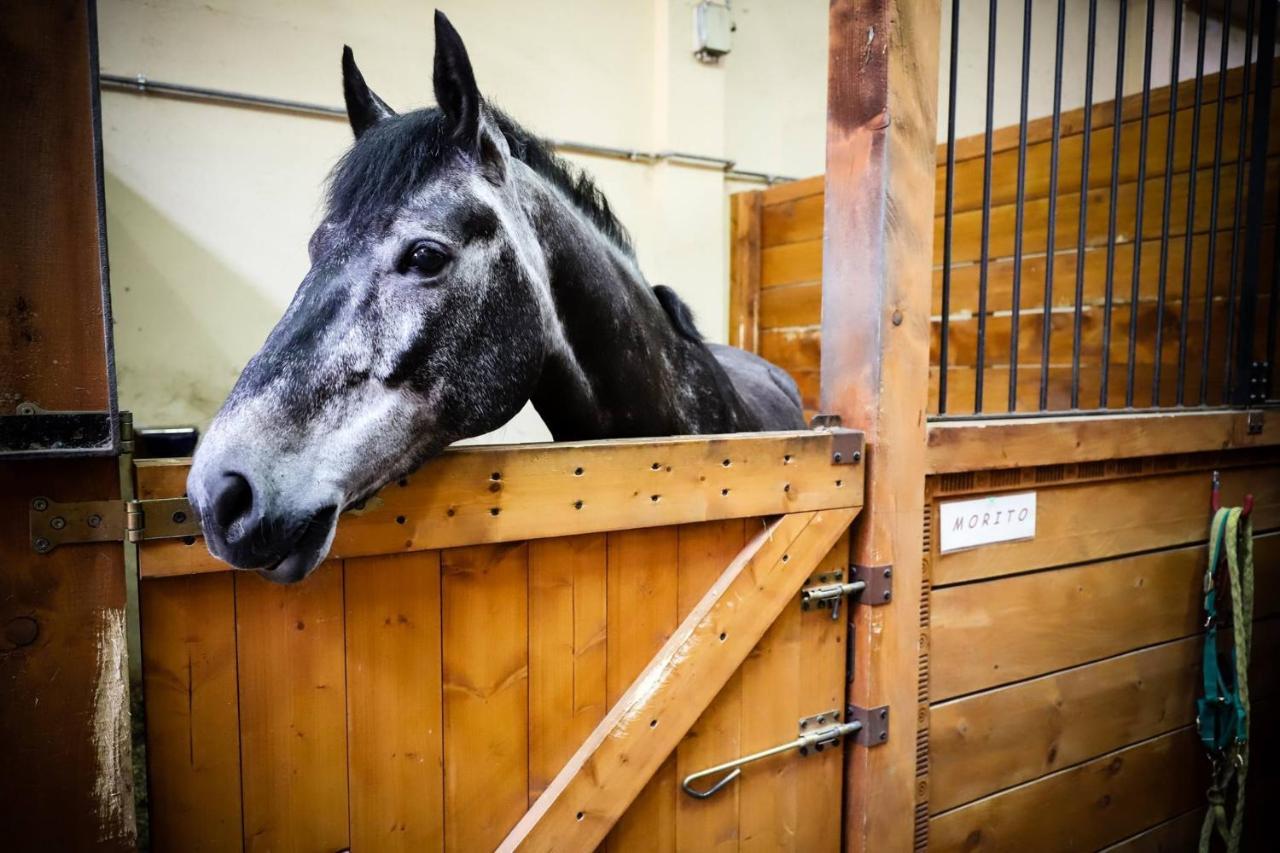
[1188, 242]
[1215, 193]
[986, 208]
[1117, 120]
[1273, 321]
[1016, 316]
[1082, 240]
[1135, 287]
[1169, 162]
[1242, 393]
[1053, 208]
[949, 216]
[1237, 217]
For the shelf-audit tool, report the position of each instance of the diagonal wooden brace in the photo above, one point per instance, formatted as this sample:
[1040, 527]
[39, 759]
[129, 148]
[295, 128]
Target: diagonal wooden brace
[605, 775]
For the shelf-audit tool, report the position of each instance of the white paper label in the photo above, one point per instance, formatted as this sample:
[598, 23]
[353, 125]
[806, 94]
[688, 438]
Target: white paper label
[982, 521]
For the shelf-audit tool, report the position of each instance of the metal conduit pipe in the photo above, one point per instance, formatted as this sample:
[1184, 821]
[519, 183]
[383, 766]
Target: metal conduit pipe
[140, 84]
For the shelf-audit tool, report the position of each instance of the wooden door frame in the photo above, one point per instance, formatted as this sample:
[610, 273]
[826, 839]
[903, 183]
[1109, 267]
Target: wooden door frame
[877, 276]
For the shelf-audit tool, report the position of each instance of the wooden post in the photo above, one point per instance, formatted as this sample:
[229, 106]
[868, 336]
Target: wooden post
[877, 274]
[744, 269]
[64, 692]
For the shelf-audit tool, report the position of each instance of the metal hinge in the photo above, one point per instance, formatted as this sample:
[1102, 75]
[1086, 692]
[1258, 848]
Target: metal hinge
[53, 524]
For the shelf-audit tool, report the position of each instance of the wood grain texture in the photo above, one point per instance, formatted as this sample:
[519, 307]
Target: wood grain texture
[744, 269]
[193, 718]
[56, 325]
[985, 445]
[646, 723]
[293, 706]
[549, 490]
[709, 825]
[1176, 835]
[1011, 628]
[567, 660]
[994, 740]
[882, 73]
[1084, 807]
[486, 692]
[1078, 522]
[643, 614]
[395, 720]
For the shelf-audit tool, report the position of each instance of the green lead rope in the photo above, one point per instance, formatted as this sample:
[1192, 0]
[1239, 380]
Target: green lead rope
[1222, 717]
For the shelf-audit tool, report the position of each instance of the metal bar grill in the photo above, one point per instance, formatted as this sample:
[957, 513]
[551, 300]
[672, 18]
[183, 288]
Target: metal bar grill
[1186, 291]
[1015, 316]
[985, 261]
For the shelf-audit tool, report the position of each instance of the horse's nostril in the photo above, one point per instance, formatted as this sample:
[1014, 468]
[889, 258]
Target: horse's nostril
[232, 499]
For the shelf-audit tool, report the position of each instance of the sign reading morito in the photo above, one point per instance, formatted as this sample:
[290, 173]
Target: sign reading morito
[982, 521]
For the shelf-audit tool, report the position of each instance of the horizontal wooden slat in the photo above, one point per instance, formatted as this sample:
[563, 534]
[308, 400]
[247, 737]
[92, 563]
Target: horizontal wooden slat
[792, 190]
[600, 781]
[1072, 121]
[966, 278]
[990, 741]
[1093, 521]
[794, 305]
[983, 445]
[1003, 630]
[966, 242]
[1084, 807]
[791, 263]
[794, 348]
[1175, 835]
[478, 495]
[968, 184]
[792, 221]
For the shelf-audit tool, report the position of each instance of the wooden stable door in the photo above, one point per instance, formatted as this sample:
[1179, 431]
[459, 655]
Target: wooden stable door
[425, 700]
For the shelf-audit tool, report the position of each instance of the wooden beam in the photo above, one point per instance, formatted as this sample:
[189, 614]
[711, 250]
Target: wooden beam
[483, 495]
[604, 776]
[1025, 442]
[877, 271]
[744, 269]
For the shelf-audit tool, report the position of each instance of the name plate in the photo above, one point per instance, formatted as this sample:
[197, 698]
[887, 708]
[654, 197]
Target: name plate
[984, 521]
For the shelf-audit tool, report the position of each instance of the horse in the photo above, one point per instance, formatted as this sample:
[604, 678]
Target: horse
[460, 271]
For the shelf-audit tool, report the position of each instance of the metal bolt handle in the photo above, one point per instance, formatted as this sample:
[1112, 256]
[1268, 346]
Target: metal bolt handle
[733, 769]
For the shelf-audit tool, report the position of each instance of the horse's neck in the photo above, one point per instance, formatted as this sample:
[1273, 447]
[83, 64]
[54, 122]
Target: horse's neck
[624, 371]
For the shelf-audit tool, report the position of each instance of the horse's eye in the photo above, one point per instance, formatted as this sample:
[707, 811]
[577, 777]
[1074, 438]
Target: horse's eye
[427, 259]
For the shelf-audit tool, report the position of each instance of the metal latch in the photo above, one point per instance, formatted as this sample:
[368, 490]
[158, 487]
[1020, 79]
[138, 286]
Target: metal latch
[1254, 421]
[53, 524]
[829, 595]
[816, 734]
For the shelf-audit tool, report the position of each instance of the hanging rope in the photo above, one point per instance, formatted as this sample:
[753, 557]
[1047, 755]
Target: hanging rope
[1223, 711]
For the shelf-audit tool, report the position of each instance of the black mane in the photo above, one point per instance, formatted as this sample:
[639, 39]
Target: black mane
[395, 157]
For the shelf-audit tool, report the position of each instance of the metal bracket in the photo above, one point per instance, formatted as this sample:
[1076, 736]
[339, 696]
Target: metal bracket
[874, 724]
[53, 524]
[846, 444]
[1254, 422]
[879, 583]
[1259, 381]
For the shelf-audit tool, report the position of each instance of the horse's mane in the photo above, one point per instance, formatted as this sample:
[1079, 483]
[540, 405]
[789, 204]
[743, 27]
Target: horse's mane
[396, 156]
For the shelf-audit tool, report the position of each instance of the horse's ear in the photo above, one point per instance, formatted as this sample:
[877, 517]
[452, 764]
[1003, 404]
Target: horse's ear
[364, 108]
[455, 85]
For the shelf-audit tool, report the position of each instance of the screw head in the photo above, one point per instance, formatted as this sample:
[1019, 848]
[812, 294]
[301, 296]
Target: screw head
[836, 456]
[179, 517]
[42, 545]
[57, 522]
[857, 456]
[886, 595]
[94, 520]
[40, 504]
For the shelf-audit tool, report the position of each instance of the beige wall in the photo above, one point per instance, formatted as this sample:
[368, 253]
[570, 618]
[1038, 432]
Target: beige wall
[209, 207]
